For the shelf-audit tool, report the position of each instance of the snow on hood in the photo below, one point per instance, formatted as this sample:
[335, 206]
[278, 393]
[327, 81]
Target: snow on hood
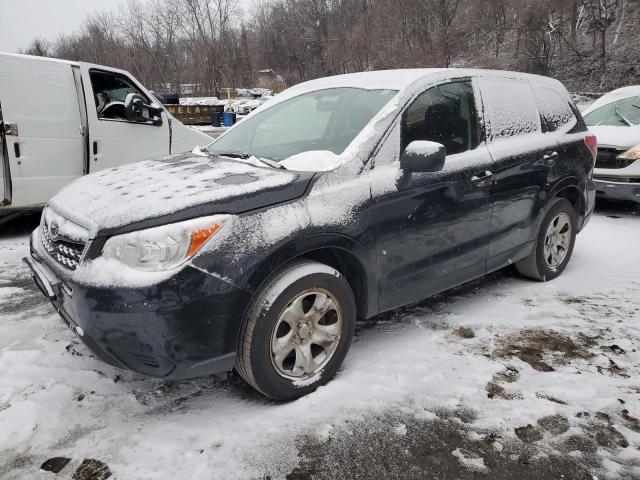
[313, 161]
[153, 188]
[622, 137]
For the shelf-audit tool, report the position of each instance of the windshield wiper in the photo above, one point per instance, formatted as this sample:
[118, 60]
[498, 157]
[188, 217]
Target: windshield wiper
[246, 156]
[623, 118]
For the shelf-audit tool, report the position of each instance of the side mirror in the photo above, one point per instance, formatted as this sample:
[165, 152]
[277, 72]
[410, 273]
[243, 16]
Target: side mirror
[136, 110]
[423, 156]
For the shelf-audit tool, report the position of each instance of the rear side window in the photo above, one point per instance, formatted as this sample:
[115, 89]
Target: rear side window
[555, 110]
[445, 114]
[510, 108]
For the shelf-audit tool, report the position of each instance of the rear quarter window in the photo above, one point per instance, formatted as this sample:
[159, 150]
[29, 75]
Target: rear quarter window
[555, 110]
[510, 108]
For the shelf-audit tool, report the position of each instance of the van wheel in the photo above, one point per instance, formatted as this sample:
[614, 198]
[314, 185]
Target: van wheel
[298, 330]
[554, 244]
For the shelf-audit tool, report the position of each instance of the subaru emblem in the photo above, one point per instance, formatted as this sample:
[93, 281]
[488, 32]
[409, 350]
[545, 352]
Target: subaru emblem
[54, 231]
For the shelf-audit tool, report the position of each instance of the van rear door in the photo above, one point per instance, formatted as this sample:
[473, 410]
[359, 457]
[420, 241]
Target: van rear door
[44, 137]
[5, 172]
[114, 140]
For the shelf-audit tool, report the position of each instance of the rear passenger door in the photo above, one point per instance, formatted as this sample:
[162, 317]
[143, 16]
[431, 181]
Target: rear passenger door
[522, 156]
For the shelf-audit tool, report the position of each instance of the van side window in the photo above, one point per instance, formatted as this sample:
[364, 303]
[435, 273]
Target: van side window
[510, 108]
[109, 92]
[555, 110]
[445, 114]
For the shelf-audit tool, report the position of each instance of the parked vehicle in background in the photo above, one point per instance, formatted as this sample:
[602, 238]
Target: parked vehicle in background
[615, 119]
[60, 120]
[341, 198]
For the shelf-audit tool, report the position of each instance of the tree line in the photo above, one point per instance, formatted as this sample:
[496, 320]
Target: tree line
[591, 45]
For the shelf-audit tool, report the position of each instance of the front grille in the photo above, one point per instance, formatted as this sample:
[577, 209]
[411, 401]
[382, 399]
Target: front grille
[607, 158]
[66, 253]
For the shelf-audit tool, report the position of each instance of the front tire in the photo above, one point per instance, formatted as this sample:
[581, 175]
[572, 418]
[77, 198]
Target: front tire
[554, 243]
[298, 330]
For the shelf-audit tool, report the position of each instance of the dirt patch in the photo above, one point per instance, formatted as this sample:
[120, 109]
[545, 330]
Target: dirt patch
[494, 390]
[613, 370]
[545, 396]
[442, 448]
[529, 434]
[554, 424]
[542, 349]
[464, 332]
[55, 464]
[91, 469]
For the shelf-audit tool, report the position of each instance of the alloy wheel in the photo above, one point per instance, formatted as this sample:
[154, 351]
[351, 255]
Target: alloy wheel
[557, 240]
[306, 335]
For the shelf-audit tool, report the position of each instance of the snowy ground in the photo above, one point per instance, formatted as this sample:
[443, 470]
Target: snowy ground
[501, 378]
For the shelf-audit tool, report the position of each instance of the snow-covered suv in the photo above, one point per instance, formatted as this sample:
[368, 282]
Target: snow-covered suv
[340, 198]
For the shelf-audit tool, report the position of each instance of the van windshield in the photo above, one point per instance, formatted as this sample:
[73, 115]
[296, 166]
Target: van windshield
[622, 113]
[325, 120]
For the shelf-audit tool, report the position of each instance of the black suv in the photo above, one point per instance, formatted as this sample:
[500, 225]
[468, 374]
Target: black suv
[339, 199]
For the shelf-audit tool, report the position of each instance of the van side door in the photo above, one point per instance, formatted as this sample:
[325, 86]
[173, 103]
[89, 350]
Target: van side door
[43, 139]
[432, 230]
[114, 140]
[521, 156]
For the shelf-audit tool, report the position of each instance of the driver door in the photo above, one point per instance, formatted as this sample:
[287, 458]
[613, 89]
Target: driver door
[433, 229]
[114, 140]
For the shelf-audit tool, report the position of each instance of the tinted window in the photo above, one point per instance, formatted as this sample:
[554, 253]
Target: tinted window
[555, 110]
[624, 113]
[109, 92]
[445, 114]
[510, 108]
[321, 120]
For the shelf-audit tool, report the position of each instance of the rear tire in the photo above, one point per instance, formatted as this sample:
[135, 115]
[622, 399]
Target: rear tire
[297, 331]
[554, 243]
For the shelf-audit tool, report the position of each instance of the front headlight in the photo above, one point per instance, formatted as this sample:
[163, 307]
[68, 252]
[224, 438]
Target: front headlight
[632, 154]
[166, 247]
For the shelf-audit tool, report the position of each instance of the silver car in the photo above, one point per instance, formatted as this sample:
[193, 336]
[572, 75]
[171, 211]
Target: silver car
[615, 120]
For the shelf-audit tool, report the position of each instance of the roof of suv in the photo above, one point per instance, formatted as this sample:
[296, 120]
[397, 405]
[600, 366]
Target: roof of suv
[402, 78]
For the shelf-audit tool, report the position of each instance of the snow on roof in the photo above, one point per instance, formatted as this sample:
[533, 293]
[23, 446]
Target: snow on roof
[618, 94]
[401, 79]
[36, 58]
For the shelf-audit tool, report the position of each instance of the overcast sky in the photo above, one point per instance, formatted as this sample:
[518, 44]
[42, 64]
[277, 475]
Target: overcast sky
[23, 20]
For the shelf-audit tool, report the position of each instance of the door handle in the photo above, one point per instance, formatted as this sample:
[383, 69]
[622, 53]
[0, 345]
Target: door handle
[549, 158]
[481, 178]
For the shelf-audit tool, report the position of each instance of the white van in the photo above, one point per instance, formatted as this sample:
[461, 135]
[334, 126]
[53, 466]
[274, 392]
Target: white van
[60, 120]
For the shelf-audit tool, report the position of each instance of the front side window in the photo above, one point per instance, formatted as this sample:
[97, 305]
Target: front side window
[324, 120]
[444, 114]
[621, 113]
[109, 93]
[510, 108]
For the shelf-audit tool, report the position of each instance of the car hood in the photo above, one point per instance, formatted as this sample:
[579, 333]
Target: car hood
[174, 188]
[622, 138]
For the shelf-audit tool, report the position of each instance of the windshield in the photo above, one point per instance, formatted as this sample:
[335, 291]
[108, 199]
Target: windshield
[326, 120]
[621, 113]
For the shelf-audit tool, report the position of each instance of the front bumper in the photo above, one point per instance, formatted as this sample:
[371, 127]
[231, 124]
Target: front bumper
[186, 326]
[614, 190]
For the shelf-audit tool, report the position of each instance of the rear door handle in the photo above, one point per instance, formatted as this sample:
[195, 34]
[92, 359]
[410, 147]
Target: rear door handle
[549, 158]
[481, 178]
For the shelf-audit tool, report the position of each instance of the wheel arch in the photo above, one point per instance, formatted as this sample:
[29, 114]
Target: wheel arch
[341, 252]
[569, 189]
